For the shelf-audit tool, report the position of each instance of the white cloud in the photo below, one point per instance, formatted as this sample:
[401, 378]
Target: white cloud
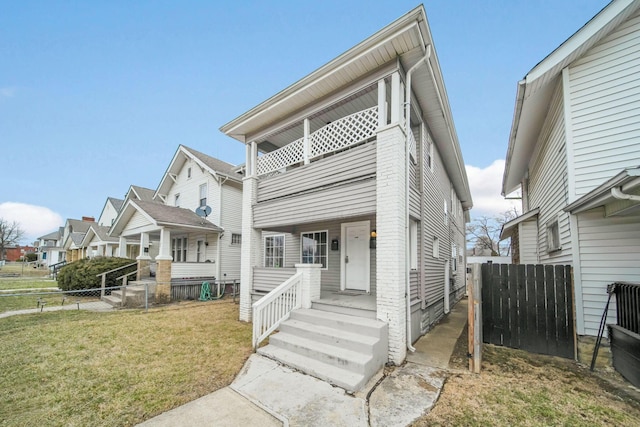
[36, 221]
[486, 188]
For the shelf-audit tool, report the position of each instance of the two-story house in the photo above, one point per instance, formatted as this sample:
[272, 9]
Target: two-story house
[574, 150]
[355, 187]
[190, 227]
[50, 250]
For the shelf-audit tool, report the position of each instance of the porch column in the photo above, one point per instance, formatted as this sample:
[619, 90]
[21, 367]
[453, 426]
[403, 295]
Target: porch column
[99, 250]
[250, 251]
[122, 247]
[382, 103]
[310, 283]
[306, 142]
[163, 267]
[391, 234]
[144, 260]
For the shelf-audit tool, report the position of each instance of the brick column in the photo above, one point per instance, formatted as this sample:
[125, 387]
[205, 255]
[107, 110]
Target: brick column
[310, 283]
[251, 241]
[163, 267]
[391, 237]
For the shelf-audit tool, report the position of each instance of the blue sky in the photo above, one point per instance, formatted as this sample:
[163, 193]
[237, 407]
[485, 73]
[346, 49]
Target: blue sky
[95, 96]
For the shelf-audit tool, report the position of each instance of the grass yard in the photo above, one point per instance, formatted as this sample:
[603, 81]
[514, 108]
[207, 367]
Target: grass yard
[23, 270]
[79, 368]
[27, 283]
[20, 285]
[516, 388]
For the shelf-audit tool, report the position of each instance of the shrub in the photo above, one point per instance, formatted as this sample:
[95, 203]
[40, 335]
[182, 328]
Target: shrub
[83, 274]
[31, 257]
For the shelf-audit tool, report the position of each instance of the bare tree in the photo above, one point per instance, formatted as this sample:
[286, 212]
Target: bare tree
[10, 235]
[483, 234]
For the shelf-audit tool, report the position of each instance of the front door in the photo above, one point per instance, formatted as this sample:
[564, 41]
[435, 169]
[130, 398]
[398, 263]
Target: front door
[355, 256]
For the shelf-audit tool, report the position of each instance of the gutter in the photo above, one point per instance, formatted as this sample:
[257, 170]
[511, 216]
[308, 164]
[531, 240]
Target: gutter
[617, 193]
[407, 121]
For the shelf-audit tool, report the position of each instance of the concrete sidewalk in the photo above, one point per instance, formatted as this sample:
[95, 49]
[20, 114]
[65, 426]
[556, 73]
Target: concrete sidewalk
[266, 393]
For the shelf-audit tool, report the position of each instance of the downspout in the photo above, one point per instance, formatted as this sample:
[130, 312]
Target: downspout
[220, 235]
[407, 121]
[618, 194]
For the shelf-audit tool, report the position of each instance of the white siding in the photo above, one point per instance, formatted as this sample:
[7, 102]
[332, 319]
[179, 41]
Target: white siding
[528, 235]
[108, 215]
[231, 222]
[137, 220]
[548, 183]
[189, 190]
[609, 252]
[605, 105]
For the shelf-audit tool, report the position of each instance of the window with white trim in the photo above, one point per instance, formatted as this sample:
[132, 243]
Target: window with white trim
[454, 258]
[179, 249]
[188, 173]
[436, 247]
[176, 200]
[413, 244]
[203, 194]
[314, 248]
[446, 212]
[236, 239]
[199, 250]
[553, 236]
[274, 251]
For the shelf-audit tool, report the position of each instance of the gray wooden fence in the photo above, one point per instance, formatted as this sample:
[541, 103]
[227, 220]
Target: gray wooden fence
[529, 307]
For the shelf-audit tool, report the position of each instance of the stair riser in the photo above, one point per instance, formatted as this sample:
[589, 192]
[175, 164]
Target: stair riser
[328, 339]
[353, 385]
[354, 366]
[372, 331]
[349, 311]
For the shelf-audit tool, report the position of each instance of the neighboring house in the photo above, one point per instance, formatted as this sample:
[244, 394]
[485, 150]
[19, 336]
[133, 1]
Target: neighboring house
[110, 210]
[14, 253]
[171, 236]
[360, 187]
[73, 235]
[574, 150]
[98, 242]
[50, 249]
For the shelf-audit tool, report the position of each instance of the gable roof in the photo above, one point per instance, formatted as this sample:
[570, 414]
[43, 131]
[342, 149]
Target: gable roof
[407, 40]
[215, 166]
[54, 235]
[140, 193]
[116, 203]
[101, 231]
[536, 88]
[161, 215]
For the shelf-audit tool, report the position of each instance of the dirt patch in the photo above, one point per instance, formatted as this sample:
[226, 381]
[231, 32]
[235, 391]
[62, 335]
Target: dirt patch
[520, 388]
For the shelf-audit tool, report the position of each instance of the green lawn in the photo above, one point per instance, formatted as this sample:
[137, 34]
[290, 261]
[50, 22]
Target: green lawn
[26, 283]
[79, 368]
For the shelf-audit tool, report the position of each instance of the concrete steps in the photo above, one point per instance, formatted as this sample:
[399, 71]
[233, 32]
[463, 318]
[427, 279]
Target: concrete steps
[135, 294]
[343, 350]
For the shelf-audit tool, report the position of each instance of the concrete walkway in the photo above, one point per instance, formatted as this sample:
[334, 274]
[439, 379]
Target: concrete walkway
[266, 393]
[89, 306]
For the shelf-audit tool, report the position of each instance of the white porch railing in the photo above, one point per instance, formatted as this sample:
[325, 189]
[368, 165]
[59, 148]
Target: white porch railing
[275, 307]
[335, 136]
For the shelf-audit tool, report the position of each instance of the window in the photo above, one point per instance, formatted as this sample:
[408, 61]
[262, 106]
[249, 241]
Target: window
[176, 200]
[413, 244]
[314, 248]
[236, 239]
[274, 251]
[436, 247]
[179, 249]
[446, 212]
[199, 251]
[553, 236]
[454, 258]
[203, 195]
[189, 173]
[430, 156]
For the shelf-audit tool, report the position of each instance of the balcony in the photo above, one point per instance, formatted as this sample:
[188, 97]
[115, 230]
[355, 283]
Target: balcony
[343, 133]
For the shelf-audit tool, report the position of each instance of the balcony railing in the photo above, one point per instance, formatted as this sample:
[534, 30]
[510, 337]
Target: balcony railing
[335, 136]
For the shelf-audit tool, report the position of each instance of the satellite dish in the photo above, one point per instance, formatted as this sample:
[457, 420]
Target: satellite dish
[203, 211]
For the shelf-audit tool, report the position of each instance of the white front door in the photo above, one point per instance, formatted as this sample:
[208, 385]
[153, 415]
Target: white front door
[355, 256]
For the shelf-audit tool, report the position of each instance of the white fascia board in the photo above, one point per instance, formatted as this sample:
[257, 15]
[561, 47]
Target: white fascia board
[401, 25]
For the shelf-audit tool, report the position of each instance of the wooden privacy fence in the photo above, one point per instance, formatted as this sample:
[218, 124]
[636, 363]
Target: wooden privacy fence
[529, 307]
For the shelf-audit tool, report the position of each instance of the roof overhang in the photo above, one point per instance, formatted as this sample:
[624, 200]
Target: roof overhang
[627, 182]
[403, 43]
[534, 92]
[509, 227]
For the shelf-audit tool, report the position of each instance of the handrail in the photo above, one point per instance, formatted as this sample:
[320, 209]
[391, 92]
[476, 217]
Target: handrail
[104, 277]
[275, 307]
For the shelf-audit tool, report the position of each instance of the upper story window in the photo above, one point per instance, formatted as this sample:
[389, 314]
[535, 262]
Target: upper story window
[553, 236]
[274, 251]
[236, 239]
[436, 247]
[413, 244]
[176, 200]
[314, 248]
[188, 173]
[203, 194]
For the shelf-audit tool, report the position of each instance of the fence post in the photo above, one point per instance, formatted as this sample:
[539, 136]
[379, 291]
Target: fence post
[475, 322]
[104, 283]
[124, 290]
